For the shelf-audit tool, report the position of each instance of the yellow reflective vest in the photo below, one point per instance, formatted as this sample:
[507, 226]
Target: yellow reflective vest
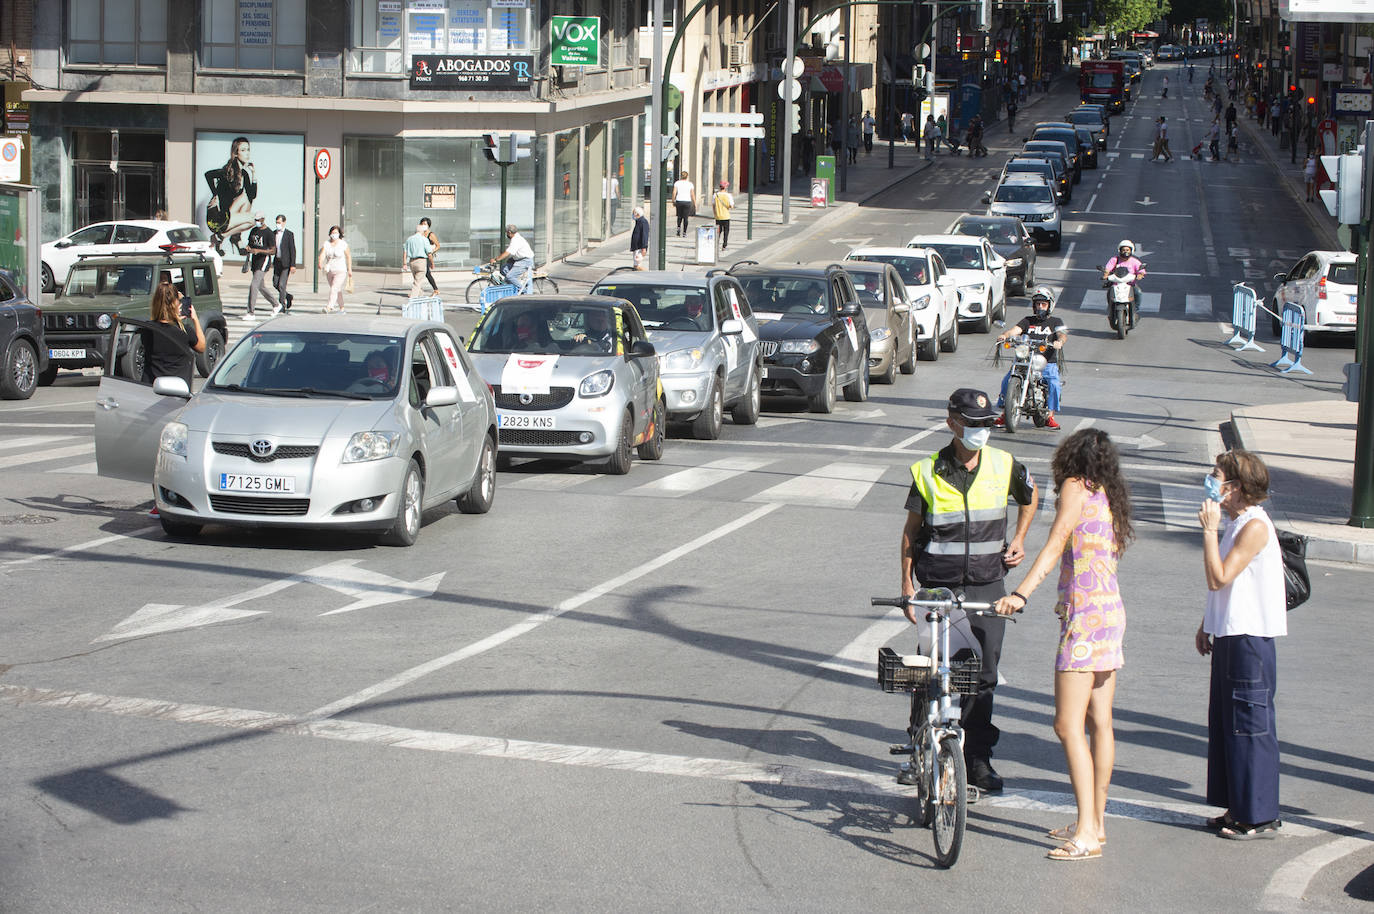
[964, 536]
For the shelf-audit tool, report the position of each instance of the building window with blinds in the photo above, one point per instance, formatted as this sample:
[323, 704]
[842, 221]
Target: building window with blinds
[262, 36]
[388, 33]
[117, 33]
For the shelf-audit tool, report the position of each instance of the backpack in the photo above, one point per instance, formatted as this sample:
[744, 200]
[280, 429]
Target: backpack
[1297, 584]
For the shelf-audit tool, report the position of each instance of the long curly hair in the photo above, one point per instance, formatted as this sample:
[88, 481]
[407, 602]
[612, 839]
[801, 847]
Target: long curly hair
[1090, 455]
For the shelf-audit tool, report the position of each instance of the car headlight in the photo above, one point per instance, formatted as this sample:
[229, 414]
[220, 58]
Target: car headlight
[880, 334]
[922, 303]
[799, 346]
[103, 322]
[976, 288]
[683, 360]
[173, 440]
[1015, 261]
[365, 446]
[596, 385]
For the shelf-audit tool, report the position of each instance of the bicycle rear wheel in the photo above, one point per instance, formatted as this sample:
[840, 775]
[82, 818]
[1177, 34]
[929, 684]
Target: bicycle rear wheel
[951, 801]
[475, 289]
[545, 286]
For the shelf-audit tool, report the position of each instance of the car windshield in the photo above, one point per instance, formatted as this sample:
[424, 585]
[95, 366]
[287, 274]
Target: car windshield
[110, 279]
[960, 256]
[547, 328]
[996, 232]
[1030, 168]
[913, 270]
[1342, 273]
[1103, 80]
[1086, 118]
[663, 307]
[1023, 193]
[301, 363]
[785, 294]
[1055, 149]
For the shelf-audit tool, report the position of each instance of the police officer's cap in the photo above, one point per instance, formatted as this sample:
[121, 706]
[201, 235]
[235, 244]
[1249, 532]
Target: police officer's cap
[972, 405]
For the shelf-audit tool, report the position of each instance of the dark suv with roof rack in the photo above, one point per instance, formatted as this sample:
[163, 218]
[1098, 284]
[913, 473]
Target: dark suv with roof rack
[812, 332]
[101, 287]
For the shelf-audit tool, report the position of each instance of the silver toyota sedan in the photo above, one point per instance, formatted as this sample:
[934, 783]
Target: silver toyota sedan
[339, 422]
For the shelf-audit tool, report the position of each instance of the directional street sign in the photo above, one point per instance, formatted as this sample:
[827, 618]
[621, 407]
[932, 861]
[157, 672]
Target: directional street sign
[742, 133]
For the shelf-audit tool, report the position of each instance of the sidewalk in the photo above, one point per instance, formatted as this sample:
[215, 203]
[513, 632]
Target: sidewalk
[1290, 176]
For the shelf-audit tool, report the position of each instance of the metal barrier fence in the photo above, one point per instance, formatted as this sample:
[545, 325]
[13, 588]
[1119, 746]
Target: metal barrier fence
[492, 294]
[1293, 321]
[1244, 308]
[423, 309]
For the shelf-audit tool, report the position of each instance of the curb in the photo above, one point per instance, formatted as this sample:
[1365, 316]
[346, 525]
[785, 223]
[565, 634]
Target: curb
[1319, 547]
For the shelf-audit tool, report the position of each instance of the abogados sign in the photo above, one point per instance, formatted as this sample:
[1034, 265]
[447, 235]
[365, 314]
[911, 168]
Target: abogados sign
[451, 71]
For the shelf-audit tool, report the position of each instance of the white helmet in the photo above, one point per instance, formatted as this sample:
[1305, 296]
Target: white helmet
[1127, 244]
[1042, 293]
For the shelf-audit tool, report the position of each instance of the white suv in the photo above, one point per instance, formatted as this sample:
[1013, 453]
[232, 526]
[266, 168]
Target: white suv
[1325, 284]
[125, 236]
[932, 293]
[1030, 199]
[980, 272]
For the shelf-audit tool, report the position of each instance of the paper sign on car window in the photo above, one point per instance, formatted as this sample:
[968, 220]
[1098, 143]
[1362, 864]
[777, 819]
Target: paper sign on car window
[850, 332]
[460, 375]
[527, 374]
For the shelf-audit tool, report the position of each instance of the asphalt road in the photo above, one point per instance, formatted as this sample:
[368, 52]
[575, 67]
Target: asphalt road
[655, 692]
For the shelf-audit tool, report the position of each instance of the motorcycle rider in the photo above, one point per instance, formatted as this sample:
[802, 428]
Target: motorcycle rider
[1125, 257]
[1042, 327]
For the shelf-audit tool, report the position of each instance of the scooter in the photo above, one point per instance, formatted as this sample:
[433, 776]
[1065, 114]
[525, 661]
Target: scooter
[1122, 306]
[1028, 393]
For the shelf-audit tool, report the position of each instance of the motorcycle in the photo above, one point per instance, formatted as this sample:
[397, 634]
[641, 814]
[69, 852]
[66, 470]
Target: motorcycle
[1122, 300]
[1028, 393]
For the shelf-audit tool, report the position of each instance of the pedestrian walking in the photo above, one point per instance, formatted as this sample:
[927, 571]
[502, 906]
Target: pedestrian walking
[1021, 85]
[722, 203]
[836, 141]
[869, 124]
[932, 135]
[336, 262]
[1164, 139]
[1092, 525]
[684, 202]
[283, 263]
[1155, 149]
[975, 137]
[417, 250]
[639, 240]
[1233, 143]
[943, 123]
[260, 252]
[1309, 172]
[1246, 611]
[1165, 93]
[808, 152]
[1214, 140]
[433, 240]
[1012, 108]
[908, 126]
[955, 536]
[1230, 115]
[851, 139]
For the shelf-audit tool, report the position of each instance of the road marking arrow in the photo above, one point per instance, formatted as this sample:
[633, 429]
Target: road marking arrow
[369, 588]
[1147, 201]
[1141, 442]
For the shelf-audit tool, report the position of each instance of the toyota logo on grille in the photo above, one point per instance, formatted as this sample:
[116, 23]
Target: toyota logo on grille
[262, 448]
[71, 321]
[526, 399]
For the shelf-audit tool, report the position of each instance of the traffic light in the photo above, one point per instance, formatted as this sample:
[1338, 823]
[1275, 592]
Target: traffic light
[1311, 100]
[984, 15]
[1344, 201]
[794, 114]
[670, 140]
[918, 75]
[518, 147]
[491, 147]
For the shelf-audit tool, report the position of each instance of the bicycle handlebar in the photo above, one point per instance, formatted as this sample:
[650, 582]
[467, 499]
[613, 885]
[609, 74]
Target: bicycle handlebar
[972, 608]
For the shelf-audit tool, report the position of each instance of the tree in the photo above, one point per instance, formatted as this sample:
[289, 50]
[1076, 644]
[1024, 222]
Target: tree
[1128, 15]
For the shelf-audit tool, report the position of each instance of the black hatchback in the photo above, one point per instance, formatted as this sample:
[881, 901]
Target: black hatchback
[1009, 238]
[813, 336]
[21, 341]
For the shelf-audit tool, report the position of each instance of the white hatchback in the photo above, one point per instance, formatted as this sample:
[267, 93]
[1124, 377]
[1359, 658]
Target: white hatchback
[932, 293]
[980, 272]
[125, 236]
[1325, 284]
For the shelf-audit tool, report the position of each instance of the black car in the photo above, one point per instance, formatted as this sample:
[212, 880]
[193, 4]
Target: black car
[1095, 120]
[812, 332]
[1011, 239]
[1067, 135]
[21, 340]
[1063, 177]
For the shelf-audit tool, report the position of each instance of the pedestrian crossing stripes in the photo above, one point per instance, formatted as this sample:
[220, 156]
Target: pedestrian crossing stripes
[685, 482]
[43, 456]
[837, 485]
[1095, 301]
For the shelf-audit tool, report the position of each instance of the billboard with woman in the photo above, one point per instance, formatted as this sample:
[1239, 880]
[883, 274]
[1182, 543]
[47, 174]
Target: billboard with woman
[239, 174]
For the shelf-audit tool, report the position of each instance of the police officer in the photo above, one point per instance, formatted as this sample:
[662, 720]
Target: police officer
[955, 536]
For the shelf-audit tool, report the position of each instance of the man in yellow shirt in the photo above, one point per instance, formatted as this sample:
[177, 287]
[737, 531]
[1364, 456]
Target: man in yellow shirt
[723, 204]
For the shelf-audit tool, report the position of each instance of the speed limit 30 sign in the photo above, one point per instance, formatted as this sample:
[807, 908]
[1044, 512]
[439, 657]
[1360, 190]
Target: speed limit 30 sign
[323, 162]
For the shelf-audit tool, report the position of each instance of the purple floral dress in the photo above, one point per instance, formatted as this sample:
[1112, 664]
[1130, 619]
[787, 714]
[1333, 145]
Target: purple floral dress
[1093, 620]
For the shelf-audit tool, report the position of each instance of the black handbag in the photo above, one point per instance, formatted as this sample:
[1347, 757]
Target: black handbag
[1297, 584]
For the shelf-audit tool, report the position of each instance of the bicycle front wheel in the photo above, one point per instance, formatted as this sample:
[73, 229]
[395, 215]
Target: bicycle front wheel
[475, 289]
[951, 801]
[545, 286]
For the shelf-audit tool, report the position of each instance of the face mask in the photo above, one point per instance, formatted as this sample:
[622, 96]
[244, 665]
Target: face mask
[1211, 486]
[975, 438]
[333, 236]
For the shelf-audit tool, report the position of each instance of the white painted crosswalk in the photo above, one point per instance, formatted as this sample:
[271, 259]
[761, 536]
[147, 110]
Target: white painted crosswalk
[836, 485]
[1095, 300]
[46, 455]
[685, 482]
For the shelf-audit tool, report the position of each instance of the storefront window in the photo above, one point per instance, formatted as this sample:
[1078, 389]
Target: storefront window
[597, 187]
[259, 35]
[485, 236]
[114, 32]
[386, 33]
[624, 168]
[566, 185]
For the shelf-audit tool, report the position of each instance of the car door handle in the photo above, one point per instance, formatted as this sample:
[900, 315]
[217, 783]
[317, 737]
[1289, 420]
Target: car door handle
[107, 403]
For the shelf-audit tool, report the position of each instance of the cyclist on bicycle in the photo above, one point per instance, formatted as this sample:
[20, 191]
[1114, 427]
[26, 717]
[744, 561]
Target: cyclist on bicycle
[521, 257]
[955, 536]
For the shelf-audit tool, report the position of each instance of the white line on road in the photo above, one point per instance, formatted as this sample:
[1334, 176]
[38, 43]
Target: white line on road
[1288, 886]
[47, 424]
[694, 479]
[1091, 201]
[30, 441]
[857, 656]
[1085, 423]
[81, 469]
[530, 623]
[907, 442]
[837, 485]
[1150, 213]
[1063, 264]
[548, 482]
[17, 460]
[67, 550]
[878, 783]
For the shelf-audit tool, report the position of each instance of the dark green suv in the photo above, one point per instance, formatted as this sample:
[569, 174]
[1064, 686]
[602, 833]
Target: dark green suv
[76, 325]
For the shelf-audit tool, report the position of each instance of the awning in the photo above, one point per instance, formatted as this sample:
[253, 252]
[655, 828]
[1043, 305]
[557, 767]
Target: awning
[1144, 34]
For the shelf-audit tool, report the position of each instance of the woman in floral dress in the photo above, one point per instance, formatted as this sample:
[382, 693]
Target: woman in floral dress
[1092, 524]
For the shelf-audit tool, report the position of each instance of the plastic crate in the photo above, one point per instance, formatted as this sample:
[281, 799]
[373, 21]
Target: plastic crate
[895, 676]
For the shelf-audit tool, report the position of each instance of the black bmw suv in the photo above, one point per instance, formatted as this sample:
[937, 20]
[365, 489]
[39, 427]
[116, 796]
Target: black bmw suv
[812, 333]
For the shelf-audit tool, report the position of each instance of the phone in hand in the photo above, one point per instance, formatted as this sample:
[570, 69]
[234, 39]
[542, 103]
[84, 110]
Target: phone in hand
[185, 308]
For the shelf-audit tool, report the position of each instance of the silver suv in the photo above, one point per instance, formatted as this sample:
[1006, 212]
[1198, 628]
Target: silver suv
[1030, 199]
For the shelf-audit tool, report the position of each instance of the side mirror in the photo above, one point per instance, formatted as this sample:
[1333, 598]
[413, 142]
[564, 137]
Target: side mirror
[1280, 277]
[641, 349]
[732, 326]
[441, 396]
[987, 197]
[171, 387]
[62, 244]
[849, 309]
[902, 307]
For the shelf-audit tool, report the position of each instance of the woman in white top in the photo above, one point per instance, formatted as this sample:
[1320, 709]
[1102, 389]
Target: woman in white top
[337, 263]
[684, 201]
[1246, 611]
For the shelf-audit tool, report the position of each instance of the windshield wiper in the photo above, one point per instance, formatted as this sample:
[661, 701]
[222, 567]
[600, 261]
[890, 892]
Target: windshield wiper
[316, 392]
[265, 391]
